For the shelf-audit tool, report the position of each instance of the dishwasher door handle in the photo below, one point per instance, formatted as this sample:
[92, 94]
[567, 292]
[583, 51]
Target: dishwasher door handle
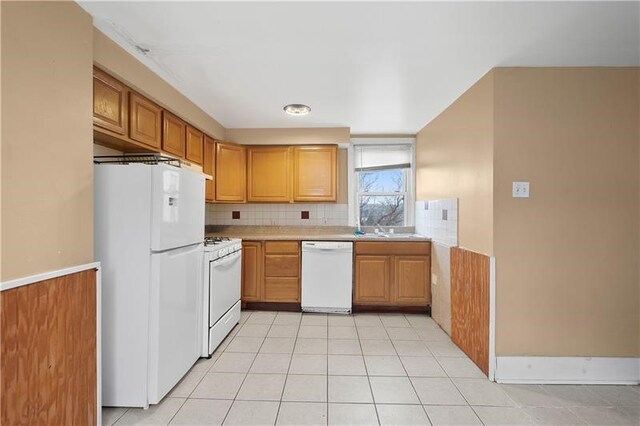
[324, 246]
[326, 250]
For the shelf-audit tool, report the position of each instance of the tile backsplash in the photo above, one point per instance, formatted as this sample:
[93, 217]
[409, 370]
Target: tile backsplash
[438, 220]
[277, 214]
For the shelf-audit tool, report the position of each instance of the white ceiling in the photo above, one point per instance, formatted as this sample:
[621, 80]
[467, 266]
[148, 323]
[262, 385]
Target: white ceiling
[375, 67]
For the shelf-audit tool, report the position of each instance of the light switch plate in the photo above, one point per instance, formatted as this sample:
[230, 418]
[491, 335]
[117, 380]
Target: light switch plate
[520, 189]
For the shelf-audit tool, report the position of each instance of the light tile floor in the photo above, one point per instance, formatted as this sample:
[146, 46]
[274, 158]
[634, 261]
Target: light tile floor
[389, 369]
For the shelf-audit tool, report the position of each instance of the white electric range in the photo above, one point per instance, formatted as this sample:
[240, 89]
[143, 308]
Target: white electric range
[222, 287]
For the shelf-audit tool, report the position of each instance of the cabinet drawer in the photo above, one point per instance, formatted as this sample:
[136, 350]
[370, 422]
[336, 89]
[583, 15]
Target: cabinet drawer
[281, 266]
[393, 248]
[282, 247]
[281, 290]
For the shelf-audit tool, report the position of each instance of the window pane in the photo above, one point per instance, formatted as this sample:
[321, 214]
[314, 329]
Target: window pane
[385, 210]
[381, 181]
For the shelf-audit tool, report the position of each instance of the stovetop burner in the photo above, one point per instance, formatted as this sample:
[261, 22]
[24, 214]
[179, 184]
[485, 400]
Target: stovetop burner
[212, 241]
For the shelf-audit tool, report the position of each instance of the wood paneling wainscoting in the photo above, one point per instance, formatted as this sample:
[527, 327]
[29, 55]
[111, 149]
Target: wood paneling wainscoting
[48, 343]
[470, 305]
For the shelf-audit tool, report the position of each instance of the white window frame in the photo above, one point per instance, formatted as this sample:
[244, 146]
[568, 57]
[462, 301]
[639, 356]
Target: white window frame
[409, 184]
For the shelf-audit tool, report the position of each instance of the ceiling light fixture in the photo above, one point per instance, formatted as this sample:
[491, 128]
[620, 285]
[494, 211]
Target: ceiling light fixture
[297, 109]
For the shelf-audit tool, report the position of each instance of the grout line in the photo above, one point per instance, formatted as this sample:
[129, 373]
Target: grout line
[415, 328]
[327, 393]
[249, 369]
[411, 381]
[126, 410]
[199, 381]
[366, 370]
[286, 377]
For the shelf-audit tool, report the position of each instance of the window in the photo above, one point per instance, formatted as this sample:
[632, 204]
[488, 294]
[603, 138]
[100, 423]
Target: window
[383, 190]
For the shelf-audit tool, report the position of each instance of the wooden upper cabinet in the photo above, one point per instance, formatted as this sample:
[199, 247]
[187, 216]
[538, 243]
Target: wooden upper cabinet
[109, 103]
[231, 173]
[173, 134]
[145, 121]
[194, 145]
[268, 174]
[315, 173]
[208, 159]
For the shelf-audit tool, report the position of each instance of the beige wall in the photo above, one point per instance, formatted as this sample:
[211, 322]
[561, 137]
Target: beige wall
[289, 136]
[567, 257]
[454, 158]
[47, 173]
[115, 60]
[568, 282]
[300, 136]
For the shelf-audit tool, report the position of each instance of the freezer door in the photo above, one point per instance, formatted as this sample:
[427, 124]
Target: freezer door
[177, 217]
[174, 326]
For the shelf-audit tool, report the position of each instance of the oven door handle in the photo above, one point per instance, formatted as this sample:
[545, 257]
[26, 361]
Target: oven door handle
[227, 260]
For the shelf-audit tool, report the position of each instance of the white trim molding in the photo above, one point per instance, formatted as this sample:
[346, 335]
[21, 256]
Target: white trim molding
[568, 370]
[492, 319]
[19, 282]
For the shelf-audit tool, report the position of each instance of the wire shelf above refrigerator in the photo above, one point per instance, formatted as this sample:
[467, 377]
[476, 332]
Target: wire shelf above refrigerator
[150, 159]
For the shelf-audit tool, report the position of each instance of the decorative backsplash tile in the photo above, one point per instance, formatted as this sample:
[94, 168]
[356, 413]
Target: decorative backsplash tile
[278, 214]
[438, 220]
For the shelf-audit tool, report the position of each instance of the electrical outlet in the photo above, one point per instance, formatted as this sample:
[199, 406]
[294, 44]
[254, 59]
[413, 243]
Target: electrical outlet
[520, 189]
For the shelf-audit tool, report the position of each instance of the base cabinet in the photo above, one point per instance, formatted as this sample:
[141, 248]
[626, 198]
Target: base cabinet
[411, 278]
[271, 271]
[372, 279]
[392, 274]
[251, 271]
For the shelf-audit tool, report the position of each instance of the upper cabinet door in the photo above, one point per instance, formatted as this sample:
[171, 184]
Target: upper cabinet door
[145, 120]
[109, 103]
[194, 145]
[208, 167]
[173, 134]
[268, 174]
[231, 174]
[315, 173]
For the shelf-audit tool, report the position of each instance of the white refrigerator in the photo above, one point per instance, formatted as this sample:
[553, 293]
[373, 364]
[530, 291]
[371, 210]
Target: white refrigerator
[149, 228]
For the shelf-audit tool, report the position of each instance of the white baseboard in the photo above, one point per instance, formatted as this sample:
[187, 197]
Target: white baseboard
[567, 370]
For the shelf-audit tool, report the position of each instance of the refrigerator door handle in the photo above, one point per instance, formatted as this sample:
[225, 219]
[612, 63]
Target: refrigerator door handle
[179, 250]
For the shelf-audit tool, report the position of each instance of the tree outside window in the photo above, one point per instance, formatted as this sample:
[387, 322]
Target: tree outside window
[383, 174]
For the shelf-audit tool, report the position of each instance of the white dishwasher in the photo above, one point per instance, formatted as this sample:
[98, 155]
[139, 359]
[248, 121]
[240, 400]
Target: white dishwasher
[327, 278]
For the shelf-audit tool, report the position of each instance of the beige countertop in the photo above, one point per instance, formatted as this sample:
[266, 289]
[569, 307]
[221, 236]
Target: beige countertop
[311, 233]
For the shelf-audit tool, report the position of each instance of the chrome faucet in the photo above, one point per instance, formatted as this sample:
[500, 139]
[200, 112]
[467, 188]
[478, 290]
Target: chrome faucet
[381, 228]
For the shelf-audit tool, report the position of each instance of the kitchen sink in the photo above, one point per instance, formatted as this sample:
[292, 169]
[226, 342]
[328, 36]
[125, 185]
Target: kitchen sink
[387, 235]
